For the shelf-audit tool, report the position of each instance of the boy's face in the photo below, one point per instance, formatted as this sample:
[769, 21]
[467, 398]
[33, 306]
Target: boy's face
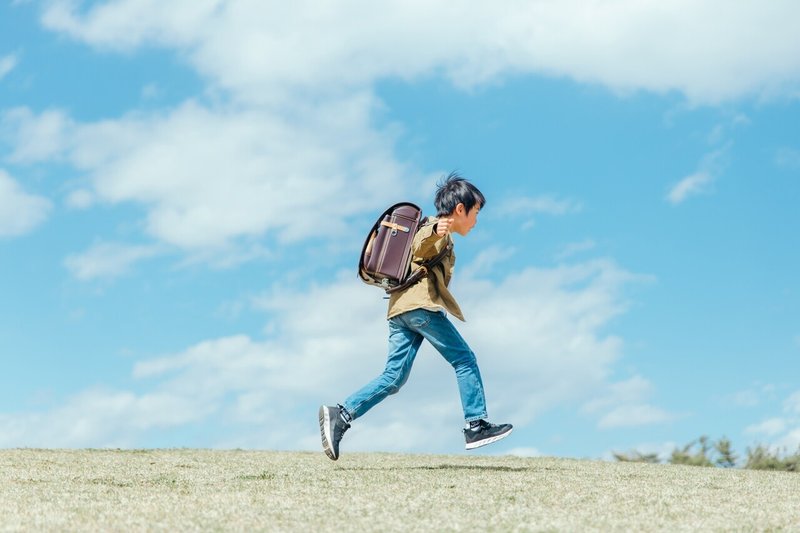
[463, 220]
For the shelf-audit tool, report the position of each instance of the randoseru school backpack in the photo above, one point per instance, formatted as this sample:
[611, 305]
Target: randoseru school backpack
[386, 256]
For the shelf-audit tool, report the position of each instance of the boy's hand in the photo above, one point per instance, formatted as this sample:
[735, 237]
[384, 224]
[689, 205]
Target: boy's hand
[443, 226]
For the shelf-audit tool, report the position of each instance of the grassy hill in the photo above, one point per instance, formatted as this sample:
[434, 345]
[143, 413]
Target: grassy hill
[205, 490]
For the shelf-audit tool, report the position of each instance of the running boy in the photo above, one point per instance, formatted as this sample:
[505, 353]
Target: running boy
[420, 312]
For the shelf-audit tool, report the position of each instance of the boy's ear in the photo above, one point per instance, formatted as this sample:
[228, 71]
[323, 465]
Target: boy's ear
[461, 209]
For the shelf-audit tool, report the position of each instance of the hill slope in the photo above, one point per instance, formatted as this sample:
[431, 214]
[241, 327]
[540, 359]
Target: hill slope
[256, 490]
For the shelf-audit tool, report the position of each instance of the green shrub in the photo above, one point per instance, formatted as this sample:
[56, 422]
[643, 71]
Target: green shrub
[726, 458]
[636, 457]
[699, 453]
[762, 458]
[686, 456]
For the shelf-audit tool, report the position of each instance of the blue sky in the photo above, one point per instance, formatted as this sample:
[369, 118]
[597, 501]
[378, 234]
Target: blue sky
[184, 192]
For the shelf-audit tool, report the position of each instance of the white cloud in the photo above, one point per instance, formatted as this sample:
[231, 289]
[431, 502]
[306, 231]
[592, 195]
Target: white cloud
[545, 323]
[634, 415]
[80, 199]
[100, 417]
[537, 335]
[523, 206]
[746, 398]
[711, 167]
[486, 260]
[623, 404]
[782, 431]
[210, 176]
[689, 186]
[770, 427]
[630, 390]
[262, 50]
[575, 248]
[753, 396]
[7, 64]
[107, 260]
[20, 212]
[296, 123]
[721, 131]
[790, 442]
[792, 403]
[548, 205]
[36, 137]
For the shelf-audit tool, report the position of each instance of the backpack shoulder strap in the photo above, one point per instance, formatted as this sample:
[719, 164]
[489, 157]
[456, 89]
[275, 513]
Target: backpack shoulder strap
[424, 268]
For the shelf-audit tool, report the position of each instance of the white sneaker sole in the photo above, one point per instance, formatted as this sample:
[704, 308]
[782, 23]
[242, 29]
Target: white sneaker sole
[484, 442]
[325, 431]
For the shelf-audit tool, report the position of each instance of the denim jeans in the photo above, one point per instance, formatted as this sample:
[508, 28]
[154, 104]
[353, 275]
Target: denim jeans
[406, 333]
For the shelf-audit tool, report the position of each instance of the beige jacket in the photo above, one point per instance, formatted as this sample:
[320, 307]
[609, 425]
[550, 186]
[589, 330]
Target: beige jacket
[431, 292]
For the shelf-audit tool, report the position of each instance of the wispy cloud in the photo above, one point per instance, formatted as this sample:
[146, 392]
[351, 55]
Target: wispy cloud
[575, 248]
[782, 431]
[721, 131]
[107, 260]
[20, 212]
[633, 416]
[770, 427]
[624, 404]
[151, 91]
[550, 353]
[792, 403]
[756, 395]
[529, 206]
[689, 186]
[788, 158]
[702, 180]
[545, 204]
[486, 260]
[7, 64]
[35, 138]
[791, 441]
[80, 199]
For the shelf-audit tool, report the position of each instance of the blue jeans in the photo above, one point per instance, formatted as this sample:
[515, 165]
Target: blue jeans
[406, 332]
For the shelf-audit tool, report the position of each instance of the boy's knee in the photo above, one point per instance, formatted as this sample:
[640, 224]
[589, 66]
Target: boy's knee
[392, 387]
[395, 383]
[467, 357]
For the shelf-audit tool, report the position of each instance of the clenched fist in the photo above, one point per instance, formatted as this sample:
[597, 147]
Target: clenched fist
[443, 226]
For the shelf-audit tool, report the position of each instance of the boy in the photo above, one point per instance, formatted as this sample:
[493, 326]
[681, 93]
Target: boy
[419, 312]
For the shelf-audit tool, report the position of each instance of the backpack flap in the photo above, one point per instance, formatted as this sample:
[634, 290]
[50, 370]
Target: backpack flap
[386, 255]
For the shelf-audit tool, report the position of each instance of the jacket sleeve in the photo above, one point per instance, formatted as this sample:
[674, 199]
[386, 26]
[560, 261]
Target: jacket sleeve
[426, 243]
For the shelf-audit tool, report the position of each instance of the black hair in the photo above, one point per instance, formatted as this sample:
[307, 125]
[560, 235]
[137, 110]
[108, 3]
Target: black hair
[453, 190]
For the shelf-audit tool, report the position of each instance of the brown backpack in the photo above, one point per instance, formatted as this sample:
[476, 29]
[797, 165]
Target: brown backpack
[386, 256]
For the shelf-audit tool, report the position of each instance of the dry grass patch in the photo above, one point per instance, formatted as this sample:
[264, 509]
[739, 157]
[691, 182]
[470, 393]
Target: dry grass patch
[203, 490]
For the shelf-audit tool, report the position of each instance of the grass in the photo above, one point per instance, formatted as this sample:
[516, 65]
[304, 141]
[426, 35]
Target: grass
[203, 490]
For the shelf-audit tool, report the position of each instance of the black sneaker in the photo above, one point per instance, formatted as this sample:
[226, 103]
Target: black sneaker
[485, 433]
[332, 427]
